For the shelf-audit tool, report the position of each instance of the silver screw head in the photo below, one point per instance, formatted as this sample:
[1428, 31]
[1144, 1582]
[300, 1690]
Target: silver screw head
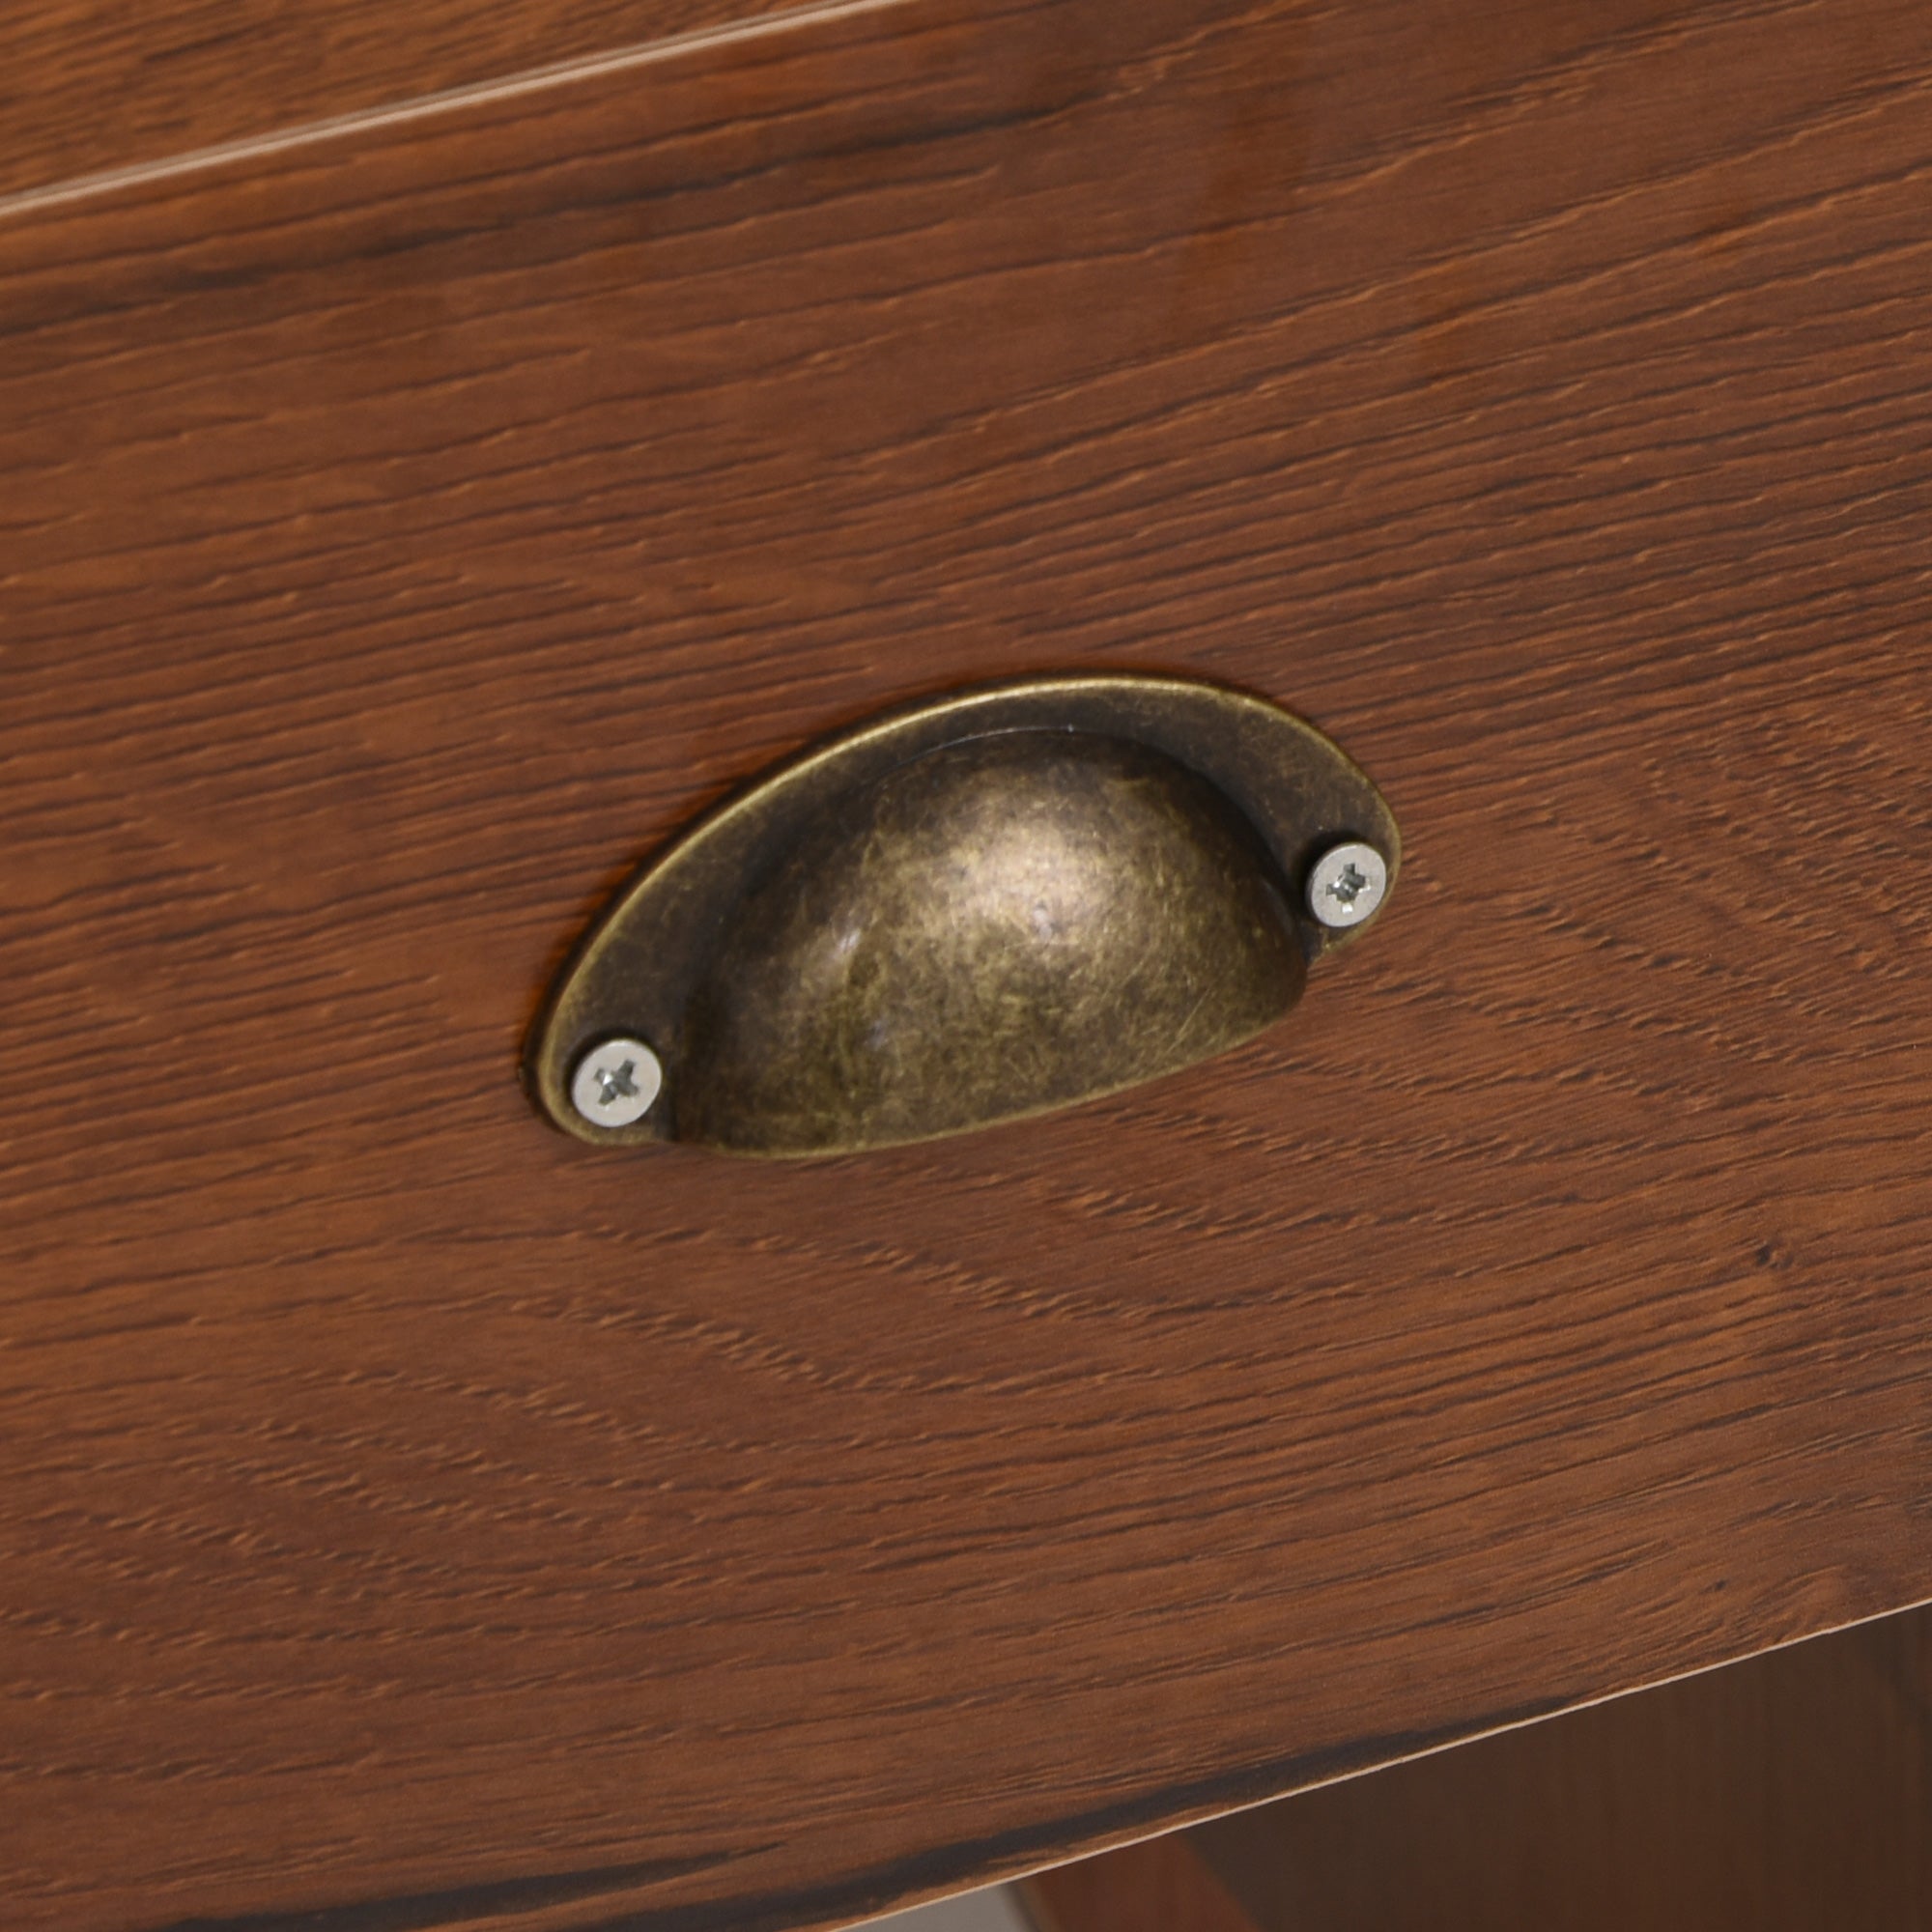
[615, 1083]
[1346, 883]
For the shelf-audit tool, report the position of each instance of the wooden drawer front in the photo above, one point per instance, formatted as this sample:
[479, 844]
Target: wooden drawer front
[410, 526]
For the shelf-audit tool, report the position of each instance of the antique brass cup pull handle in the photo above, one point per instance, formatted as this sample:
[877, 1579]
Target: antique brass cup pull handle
[1004, 901]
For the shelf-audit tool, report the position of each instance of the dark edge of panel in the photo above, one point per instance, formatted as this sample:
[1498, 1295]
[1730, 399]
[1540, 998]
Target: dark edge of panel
[963, 1866]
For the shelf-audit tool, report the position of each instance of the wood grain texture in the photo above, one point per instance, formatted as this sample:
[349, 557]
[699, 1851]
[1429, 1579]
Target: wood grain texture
[91, 85]
[412, 1514]
[1792, 1793]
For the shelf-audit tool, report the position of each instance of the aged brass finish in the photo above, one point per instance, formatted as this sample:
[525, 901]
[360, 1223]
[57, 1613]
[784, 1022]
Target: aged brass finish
[1004, 901]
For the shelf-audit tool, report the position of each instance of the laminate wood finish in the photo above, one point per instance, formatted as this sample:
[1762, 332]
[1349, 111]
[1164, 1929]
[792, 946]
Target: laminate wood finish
[1160, 1885]
[1790, 1794]
[413, 1516]
[91, 85]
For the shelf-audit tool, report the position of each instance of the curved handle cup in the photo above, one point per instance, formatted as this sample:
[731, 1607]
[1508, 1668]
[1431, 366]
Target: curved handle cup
[1002, 902]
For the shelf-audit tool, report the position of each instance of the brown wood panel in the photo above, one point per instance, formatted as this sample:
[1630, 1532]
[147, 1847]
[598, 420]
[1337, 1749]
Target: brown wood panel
[410, 1512]
[1160, 1885]
[90, 85]
[1790, 1794]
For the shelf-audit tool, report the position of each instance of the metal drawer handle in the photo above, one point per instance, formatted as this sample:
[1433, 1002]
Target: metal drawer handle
[1003, 902]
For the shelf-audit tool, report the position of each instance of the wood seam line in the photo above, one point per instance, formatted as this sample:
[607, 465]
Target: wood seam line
[429, 107]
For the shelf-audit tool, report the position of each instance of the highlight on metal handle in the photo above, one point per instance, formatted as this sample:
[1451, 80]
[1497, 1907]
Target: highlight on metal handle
[997, 903]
